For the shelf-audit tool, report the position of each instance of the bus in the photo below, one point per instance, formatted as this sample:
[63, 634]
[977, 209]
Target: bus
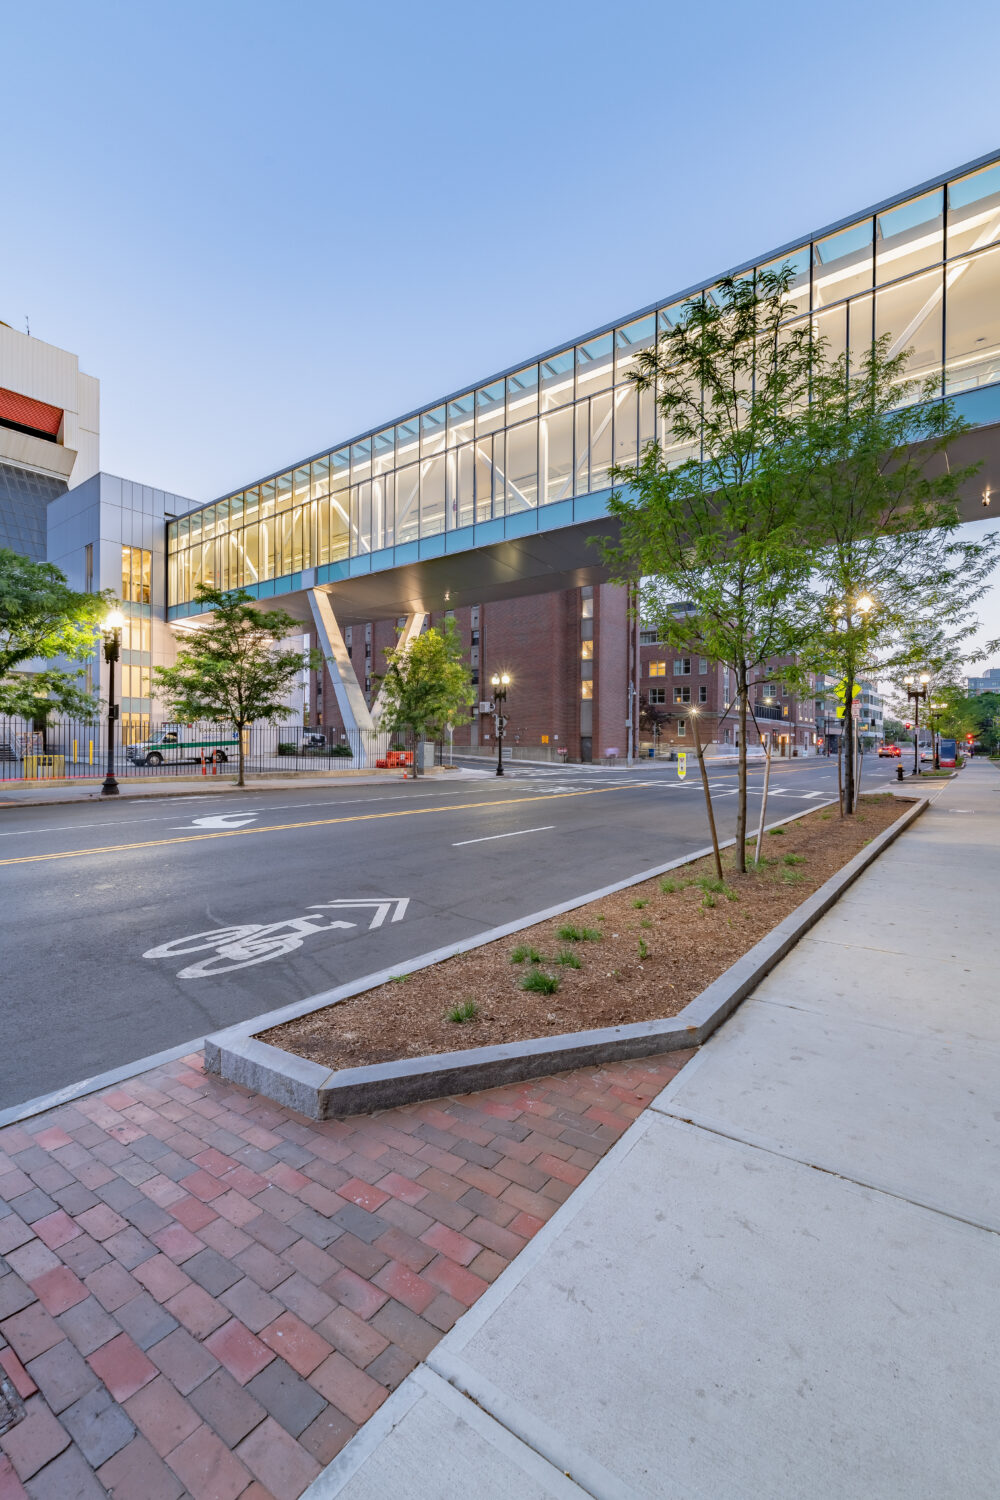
[947, 750]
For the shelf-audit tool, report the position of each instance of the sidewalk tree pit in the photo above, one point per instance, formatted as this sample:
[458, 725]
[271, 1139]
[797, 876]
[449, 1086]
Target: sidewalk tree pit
[640, 954]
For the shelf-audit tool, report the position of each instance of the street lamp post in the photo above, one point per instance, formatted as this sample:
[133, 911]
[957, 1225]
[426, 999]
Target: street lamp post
[935, 711]
[916, 694]
[112, 652]
[500, 683]
[860, 607]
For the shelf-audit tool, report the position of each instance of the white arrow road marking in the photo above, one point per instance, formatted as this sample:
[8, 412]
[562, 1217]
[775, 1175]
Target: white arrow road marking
[223, 820]
[382, 905]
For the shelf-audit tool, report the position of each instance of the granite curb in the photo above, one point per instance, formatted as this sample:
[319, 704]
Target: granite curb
[321, 1093]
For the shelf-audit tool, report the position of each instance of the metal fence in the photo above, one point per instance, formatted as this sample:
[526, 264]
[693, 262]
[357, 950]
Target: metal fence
[67, 749]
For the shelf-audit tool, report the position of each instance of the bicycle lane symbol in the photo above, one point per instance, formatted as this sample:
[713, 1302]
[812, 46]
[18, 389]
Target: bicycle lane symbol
[240, 946]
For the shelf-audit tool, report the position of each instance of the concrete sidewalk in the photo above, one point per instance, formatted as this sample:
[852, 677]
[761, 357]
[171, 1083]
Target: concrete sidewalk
[782, 1282]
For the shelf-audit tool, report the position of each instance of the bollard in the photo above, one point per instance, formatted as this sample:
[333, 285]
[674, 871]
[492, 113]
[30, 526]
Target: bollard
[899, 773]
[203, 771]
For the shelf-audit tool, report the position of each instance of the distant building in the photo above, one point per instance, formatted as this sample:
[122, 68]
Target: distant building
[49, 435]
[989, 682]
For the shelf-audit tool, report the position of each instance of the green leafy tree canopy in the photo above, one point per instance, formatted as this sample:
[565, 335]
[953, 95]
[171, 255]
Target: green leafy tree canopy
[232, 670]
[43, 619]
[427, 685]
[711, 517]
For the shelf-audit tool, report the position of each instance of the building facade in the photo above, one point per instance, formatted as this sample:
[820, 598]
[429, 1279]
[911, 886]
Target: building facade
[49, 435]
[484, 502]
[988, 682]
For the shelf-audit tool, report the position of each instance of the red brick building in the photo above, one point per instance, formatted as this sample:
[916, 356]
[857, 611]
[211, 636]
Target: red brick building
[673, 682]
[576, 660]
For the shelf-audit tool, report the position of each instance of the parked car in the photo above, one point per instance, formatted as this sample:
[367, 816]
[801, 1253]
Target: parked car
[889, 750]
[171, 746]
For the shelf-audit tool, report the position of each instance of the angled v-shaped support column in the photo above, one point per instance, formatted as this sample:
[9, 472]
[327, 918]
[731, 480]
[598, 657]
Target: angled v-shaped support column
[350, 699]
[414, 625]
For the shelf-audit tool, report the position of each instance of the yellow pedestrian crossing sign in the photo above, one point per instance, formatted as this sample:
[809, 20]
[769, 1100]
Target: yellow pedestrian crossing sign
[841, 693]
[682, 764]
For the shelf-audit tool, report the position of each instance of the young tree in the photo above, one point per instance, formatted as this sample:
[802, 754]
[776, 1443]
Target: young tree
[233, 670]
[880, 519]
[42, 618]
[427, 685]
[720, 528]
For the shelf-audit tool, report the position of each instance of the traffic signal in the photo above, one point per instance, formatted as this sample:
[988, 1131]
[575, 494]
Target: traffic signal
[907, 726]
[968, 739]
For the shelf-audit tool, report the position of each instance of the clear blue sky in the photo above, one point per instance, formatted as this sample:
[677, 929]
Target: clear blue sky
[265, 227]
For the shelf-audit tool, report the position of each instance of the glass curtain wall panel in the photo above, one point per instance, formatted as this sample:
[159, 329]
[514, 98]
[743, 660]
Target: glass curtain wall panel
[972, 321]
[924, 272]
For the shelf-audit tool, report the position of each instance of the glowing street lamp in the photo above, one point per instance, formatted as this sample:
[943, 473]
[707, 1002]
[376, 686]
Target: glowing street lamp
[112, 630]
[500, 682]
[917, 695]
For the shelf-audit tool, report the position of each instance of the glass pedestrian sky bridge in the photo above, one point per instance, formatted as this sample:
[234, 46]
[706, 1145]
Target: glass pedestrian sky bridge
[529, 450]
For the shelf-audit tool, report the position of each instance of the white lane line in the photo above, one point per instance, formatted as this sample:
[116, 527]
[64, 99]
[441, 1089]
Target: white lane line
[516, 834]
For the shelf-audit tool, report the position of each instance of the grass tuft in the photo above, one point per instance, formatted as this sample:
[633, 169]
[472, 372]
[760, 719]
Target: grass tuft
[523, 953]
[708, 899]
[791, 877]
[568, 959]
[776, 833]
[668, 887]
[540, 984]
[579, 935]
[467, 1011]
[643, 948]
[638, 905]
[398, 978]
[793, 859]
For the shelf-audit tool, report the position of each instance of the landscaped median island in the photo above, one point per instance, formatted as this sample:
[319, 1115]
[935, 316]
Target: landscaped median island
[640, 954]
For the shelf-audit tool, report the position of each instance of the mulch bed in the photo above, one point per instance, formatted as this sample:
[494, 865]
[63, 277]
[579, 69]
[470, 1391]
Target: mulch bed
[643, 953]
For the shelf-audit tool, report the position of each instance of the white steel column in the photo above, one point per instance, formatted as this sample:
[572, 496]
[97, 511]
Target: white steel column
[414, 625]
[350, 699]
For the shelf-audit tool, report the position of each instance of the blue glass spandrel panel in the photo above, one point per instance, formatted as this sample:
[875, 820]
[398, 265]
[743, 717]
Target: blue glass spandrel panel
[361, 565]
[382, 558]
[408, 552]
[521, 525]
[553, 516]
[432, 546]
[488, 532]
[461, 540]
[981, 408]
[589, 507]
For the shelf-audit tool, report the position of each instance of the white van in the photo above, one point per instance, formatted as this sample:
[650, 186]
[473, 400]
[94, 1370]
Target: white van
[172, 746]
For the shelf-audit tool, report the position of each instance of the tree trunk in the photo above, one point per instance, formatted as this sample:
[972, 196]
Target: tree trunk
[240, 780]
[708, 797]
[418, 746]
[848, 738]
[741, 808]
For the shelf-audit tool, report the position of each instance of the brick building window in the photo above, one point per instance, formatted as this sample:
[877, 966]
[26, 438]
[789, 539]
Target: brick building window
[702, 665]
[657, 669]
[682, 727]
[586, 689]
[682, 695]
[682, 668]
[657, 695]
[648, 637]
[703, 693]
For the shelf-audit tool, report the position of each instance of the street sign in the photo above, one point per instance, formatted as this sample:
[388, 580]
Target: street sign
[855, 710]
[682, 764]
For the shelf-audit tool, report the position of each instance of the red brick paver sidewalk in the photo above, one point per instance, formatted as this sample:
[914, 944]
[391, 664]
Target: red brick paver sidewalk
[203, 1294]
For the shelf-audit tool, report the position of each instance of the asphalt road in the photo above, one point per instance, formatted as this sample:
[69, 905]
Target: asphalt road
[133, 927]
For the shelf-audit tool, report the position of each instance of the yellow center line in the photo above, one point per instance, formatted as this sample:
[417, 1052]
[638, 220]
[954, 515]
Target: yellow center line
[232, 833]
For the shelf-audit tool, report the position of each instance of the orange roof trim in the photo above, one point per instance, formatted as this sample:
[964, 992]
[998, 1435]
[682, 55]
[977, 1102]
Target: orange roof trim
[29, 413]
